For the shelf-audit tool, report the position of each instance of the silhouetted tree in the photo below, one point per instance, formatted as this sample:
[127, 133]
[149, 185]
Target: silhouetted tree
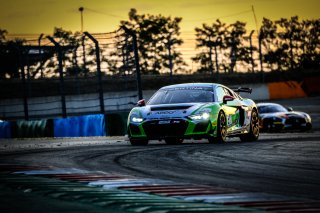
[235, 42]
[290, 40]
[70, 58]
[3, 34]
[230, 40]
[268, 35]
[158, 39]
[208, 37]
[290, 44]
[121, 61]
[310, 45]
[11, 54]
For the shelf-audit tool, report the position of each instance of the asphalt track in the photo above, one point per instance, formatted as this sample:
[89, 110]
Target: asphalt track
[285, 164]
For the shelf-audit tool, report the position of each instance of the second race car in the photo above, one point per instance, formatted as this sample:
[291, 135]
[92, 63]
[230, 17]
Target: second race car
[194, 110]
[275, 117]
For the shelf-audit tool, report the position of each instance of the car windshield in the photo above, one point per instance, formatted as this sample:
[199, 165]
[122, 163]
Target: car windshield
[182, 95]
[271, 108]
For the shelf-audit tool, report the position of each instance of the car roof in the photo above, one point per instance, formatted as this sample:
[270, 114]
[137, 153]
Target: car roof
[212, 85]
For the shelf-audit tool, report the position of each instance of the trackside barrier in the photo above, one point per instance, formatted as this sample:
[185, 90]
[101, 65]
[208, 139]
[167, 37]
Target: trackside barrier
[284, 90]
[115, 123]
[5, 129]
[281, 90]
[32, 129]
[81, 126]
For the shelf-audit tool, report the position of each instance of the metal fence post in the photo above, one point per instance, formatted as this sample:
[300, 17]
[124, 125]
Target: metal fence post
[62, 93]
[251, 50]
[98, 71]
[261, 56]
[210, 56]
[40, 55]
[24, 85]
[291, 52]
[84, 56]
[136, 59]
[170, 59]
[218, 40]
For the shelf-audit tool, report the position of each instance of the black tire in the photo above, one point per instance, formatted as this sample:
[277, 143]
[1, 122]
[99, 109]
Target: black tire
[254, 132]
[221, 130]
[139, 142]
[173, 141]
[308, 127]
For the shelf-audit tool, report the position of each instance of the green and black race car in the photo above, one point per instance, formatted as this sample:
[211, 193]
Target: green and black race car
[194, 111]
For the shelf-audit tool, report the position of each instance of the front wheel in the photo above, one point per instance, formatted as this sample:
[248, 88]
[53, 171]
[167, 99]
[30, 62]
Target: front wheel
[221, 129]
[308, 127]
[253, 134]
[139, 142]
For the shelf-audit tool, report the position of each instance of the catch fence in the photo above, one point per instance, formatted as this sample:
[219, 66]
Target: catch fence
[81, 69]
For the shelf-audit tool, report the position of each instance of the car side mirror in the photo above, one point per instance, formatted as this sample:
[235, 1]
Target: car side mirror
[289, 109]
[141, 103]
[227, 98]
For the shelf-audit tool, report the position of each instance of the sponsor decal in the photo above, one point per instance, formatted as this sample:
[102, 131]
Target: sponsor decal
[164, 112]
[164, 122]
[168, 122]
[191, 88]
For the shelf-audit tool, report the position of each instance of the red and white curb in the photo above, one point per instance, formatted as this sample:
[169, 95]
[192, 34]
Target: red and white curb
[187, 192]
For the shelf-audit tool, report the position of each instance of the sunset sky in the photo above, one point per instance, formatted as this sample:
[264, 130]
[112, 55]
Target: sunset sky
[41, 16]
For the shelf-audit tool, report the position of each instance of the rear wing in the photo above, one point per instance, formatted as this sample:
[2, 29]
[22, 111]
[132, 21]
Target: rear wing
[243, 89]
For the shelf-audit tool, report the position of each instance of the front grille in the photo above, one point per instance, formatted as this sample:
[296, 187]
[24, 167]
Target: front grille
[295, 121]
[174, 128]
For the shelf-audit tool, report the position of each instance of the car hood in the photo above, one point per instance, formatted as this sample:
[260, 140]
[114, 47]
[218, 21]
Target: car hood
[171, 110]
[283, 114]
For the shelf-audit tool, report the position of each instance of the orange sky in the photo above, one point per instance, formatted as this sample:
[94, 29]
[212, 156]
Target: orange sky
[41, 16]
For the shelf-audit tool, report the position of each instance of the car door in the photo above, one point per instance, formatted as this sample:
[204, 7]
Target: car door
[230, 109]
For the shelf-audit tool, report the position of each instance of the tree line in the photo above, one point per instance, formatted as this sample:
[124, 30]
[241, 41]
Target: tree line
[284, 44]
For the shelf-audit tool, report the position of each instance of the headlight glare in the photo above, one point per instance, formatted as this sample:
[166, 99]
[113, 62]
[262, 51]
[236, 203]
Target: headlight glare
[136, 120]
[205, 115]
[201, 116]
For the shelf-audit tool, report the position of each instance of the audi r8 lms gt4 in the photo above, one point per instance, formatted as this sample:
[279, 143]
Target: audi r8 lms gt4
[275, 117]
[194, 111]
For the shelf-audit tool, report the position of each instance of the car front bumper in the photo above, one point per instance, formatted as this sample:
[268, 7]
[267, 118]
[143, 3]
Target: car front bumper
[284, 124]
[170, 128]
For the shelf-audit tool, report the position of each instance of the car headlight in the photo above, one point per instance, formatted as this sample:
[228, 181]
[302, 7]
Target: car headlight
[136, 118]
[307, 117]
[200, 116]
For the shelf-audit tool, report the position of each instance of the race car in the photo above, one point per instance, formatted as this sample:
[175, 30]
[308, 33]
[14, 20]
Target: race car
[194, 111]
[275, 117]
